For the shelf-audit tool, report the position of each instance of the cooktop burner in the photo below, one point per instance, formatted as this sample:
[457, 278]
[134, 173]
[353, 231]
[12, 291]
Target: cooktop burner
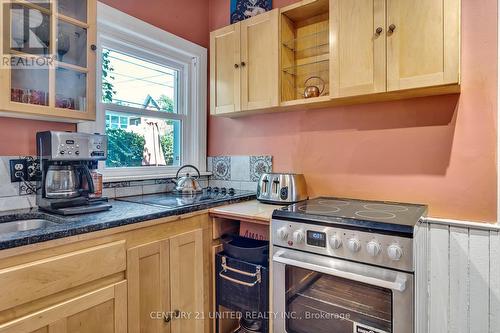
[338, 209]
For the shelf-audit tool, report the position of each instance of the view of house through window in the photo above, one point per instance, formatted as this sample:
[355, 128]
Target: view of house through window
[132, 90]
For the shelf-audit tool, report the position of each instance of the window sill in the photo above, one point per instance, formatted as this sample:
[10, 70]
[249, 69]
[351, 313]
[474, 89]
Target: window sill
[111, 179]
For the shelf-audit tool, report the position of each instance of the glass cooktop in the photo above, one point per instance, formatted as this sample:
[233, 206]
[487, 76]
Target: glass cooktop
[353, 211]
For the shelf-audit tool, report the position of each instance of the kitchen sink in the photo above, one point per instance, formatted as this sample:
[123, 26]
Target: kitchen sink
[24, 225]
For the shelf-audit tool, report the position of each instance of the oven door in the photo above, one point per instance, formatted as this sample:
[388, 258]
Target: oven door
[317, 294]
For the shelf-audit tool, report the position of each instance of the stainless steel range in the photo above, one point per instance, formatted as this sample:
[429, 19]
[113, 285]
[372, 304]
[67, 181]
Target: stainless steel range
[344, 266]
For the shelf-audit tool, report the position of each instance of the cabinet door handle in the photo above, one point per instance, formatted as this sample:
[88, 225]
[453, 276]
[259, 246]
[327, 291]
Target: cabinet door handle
[93, 47]
[392, 27]
[243, 64]
[236, 66]
[172, 315]
[379, 31]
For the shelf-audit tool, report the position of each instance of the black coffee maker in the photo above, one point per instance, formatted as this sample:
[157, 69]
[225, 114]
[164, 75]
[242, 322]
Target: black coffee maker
[66, 162]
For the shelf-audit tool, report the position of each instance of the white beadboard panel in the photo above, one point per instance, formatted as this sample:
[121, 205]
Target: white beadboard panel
[463, 286]
[494, 315]
[439, 279]
[479, 280]
[421, 257]
[459, 288]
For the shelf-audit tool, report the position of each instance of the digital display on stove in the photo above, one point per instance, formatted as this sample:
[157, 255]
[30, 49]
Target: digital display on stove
[316, 238]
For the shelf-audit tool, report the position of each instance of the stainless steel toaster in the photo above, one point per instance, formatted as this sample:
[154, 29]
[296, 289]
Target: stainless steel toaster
[281, 188]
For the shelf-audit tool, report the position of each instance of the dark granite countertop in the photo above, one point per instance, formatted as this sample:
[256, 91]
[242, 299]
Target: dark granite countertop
[125, 211]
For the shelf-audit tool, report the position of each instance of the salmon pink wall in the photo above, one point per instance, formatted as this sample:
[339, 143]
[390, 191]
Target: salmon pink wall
[187, 19]
[437, 150]
[17, 136]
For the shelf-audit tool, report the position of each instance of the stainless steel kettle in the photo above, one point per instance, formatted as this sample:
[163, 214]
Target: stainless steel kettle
[188, 185]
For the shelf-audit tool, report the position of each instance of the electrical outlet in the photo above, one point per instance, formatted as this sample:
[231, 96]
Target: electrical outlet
[18, 170]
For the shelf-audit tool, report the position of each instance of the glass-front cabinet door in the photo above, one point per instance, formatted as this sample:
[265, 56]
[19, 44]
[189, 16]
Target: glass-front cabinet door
[48, 58]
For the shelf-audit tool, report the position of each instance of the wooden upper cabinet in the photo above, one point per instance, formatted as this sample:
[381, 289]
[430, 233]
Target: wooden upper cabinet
[423, 39]
[244, 65]
[53, 77]
[333, 52]
[358, 47]
[225, 75]
[259, 65]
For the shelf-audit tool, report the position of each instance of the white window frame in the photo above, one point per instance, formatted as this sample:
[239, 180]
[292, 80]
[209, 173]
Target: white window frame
[126, 34]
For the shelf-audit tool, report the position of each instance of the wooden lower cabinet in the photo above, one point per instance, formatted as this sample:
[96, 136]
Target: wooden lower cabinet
[103, 310]
[166, 291]
[115, 281]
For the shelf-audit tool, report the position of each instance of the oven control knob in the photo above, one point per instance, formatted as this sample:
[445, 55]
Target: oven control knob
[283, 233]
[298, 237]
[395, 252]
[353, 245]
[335, 242]
[373, 248]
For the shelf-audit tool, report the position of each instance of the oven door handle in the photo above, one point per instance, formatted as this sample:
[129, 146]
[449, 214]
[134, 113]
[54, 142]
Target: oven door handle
[397, 284]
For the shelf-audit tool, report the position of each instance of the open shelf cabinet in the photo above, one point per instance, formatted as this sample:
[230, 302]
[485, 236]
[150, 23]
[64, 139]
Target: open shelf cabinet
[305, 50]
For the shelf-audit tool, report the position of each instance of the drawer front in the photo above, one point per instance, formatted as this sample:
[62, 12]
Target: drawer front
[103, 310]
[27, 282]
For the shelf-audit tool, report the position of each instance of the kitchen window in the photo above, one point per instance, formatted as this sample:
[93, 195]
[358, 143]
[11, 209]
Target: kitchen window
[151, 98]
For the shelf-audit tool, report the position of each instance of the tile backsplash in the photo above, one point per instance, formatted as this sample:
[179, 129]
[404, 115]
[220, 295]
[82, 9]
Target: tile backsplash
[238, 172]
[140, 187]
[17, 196]
[13, 195]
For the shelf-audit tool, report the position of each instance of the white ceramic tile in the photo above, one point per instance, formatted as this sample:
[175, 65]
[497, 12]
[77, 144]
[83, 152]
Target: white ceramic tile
[142, 182]
[222, 183]
[19, 202]
[249, 186]
[108, 193]
[203, 182]
[157, 188]
[128, 191]
[235, 185]
[209, 164]
[7, 189]
[240, 168]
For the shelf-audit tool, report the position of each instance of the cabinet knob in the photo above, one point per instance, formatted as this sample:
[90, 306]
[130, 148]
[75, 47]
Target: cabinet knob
[243, 64]
[93, 47]
[392, 27]
[236, 66]
[172, 315]
[379, 31]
